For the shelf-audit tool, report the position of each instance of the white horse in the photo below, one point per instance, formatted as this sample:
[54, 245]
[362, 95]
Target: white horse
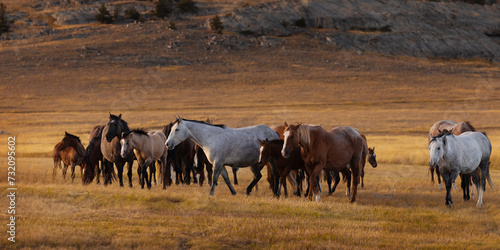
[461, 154]
[148, 149]
[224, 146]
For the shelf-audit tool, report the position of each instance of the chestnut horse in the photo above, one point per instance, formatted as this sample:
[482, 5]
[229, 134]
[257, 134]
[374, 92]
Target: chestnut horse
[71, 152]
[322, 150]
[454, 128]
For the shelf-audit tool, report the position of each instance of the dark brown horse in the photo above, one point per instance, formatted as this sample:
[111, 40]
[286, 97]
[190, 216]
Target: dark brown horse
[272, 150]
[93, 156]
[110, 148]
[322, 150]
[71, 152]
[181, 158]
[201, 163]
[454, 128]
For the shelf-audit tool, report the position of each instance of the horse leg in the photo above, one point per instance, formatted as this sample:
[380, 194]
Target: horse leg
[257, 175]
[73, 166]
[314, 181]
[328, 177]
[147, 165]
[432, 174]
[447, 181]
[97, 171]
[465, 186]
[119, 166]
[336, 178]
[362, 177]
[438, 174]
[217, 171]
[210, 173]
[167, 181]
[65, 169]
[347, 174]
[235, 170]
[484, 167]
[355, 176]
[477, 182]
[129, 171]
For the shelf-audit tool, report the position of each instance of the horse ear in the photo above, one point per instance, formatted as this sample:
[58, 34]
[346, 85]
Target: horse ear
[286, 125]
[444, 140]
[123, 134]
[65, 133]
[120, 116]
[430, 136]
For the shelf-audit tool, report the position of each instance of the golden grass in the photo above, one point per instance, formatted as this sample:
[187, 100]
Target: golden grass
[397, 208]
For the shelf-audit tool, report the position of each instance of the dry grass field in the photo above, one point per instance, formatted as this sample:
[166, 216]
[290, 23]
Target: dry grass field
[71, 80]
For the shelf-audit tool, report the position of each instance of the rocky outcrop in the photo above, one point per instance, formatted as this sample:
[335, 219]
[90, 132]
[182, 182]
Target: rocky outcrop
[393, 27]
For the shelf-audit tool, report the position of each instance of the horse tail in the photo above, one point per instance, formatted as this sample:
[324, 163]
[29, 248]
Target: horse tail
[488, 178]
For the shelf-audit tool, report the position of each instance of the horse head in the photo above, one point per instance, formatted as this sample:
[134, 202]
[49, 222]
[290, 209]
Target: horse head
[291, 139]
[126, 143]
[178, 133]
[437, 148]
[115, 127]
[372, 157]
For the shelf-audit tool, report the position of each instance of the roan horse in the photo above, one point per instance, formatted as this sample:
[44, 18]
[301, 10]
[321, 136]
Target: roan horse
[148, 148]
[224, 146]
[461, 154]
[110, 148]
[71, 152]
[454, 128]
[322, 150]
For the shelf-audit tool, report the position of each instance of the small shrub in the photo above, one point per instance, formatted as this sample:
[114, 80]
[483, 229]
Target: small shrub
[216, 24]
[132, 13]
[4, 22]
[172, 25]
[300, 23]
[103, 15]
[163, 8]
[117, 11]
[186, 6]
[284, 23]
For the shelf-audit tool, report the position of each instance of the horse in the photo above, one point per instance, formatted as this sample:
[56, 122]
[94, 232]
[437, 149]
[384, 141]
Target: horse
[463, 153]
[93, 156]
[322, 150]
[272, 150]
[367, 154]
[181, 158]
[148, 149]
[224, 146]
[453, 127]
[111, 147]
[71, 152]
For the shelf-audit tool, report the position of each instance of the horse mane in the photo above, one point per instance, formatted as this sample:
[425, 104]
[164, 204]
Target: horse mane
[470, 126]
[305, 135]
[73, 136]
[441, 134]
[90, 147]
[202, 122]
[139, 131]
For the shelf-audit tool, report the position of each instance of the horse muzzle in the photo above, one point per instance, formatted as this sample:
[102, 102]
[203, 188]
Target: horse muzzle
[432, 164]
[285, 153]
[169, 145]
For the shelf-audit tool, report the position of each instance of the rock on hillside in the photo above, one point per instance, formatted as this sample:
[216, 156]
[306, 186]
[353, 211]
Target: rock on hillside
[393, 27]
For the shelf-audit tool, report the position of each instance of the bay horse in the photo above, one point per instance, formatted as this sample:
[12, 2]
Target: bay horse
[111, 147]
[322, 150]
[224, 146]
[70, 151]
[181, 158]
[271, 149]
[93, 156]
[453, 127]
[148, 147]
[464, 153]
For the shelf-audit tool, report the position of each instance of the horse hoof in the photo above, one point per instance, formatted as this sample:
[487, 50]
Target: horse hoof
[164, 188]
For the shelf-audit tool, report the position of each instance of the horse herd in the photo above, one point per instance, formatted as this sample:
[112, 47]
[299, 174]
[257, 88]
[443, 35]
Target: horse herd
[189, 147]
